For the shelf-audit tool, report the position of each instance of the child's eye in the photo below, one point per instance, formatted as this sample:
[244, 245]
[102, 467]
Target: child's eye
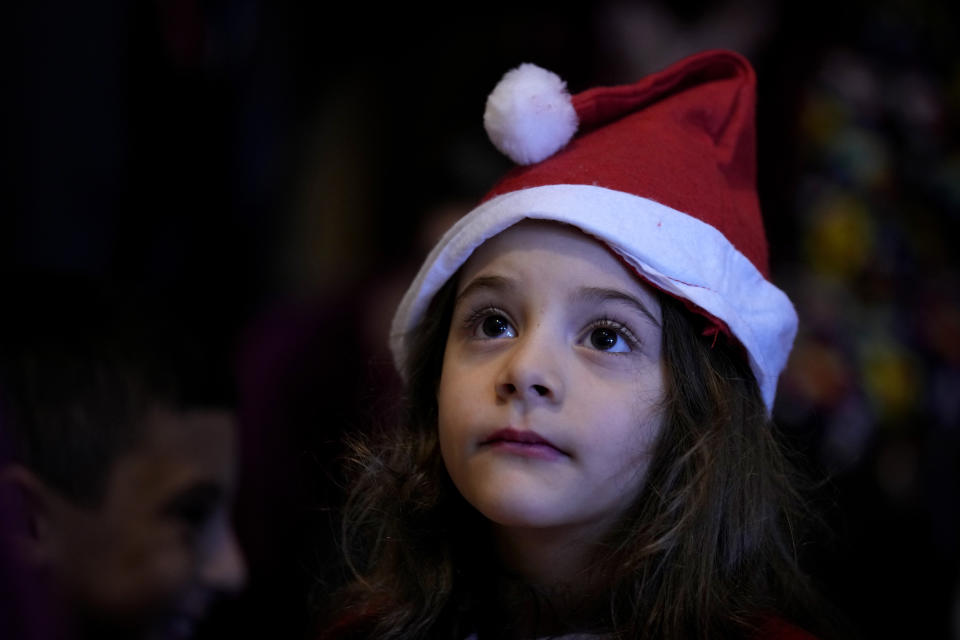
[195, 506]
[496, 327]
[490, 323]
[194, 515]
[610, 336]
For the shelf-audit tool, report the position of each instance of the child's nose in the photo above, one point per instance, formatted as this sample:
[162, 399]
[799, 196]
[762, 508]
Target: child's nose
[224, 568]
[531, 373]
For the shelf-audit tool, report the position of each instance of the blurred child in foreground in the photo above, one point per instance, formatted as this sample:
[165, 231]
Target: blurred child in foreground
[121, 464]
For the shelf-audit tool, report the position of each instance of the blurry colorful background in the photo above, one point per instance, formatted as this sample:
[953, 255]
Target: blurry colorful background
[278, 169]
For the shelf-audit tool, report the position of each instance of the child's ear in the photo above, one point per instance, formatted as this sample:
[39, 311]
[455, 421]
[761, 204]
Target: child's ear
[33, 505]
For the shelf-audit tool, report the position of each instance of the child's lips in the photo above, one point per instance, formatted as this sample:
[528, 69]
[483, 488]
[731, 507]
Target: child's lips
[523, 442]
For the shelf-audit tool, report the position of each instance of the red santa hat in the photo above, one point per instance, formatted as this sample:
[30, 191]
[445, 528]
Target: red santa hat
[663, 171]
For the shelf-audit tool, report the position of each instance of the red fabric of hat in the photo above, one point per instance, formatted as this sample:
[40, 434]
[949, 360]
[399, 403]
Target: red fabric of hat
[683, 137]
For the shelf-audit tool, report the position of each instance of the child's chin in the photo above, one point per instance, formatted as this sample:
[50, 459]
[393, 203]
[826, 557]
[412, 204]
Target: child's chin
[518, 514]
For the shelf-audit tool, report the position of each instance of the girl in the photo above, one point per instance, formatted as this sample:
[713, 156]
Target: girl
[590, 359]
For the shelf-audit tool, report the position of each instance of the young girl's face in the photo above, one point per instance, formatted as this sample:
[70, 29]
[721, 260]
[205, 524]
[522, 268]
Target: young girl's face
[551, 383]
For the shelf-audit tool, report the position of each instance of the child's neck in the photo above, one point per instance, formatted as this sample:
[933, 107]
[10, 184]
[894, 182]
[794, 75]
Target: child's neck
[548, 590]
[555, 567]
[549, 558]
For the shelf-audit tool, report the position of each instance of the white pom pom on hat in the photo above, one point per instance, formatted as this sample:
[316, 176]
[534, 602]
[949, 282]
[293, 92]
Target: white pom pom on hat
[529, 114]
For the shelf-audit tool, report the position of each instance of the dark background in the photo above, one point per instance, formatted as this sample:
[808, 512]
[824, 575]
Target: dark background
[276, 170]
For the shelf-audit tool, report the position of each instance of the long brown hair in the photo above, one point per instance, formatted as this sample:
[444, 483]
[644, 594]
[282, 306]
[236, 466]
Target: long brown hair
[708, 549]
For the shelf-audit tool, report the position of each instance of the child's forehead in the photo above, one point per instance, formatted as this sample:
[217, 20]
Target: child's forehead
[541, 249]
[191, 432]
[533, 235]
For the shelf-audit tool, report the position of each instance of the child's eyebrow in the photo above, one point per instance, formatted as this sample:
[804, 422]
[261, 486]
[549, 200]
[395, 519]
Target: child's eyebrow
[598, 295]
[494, 283]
